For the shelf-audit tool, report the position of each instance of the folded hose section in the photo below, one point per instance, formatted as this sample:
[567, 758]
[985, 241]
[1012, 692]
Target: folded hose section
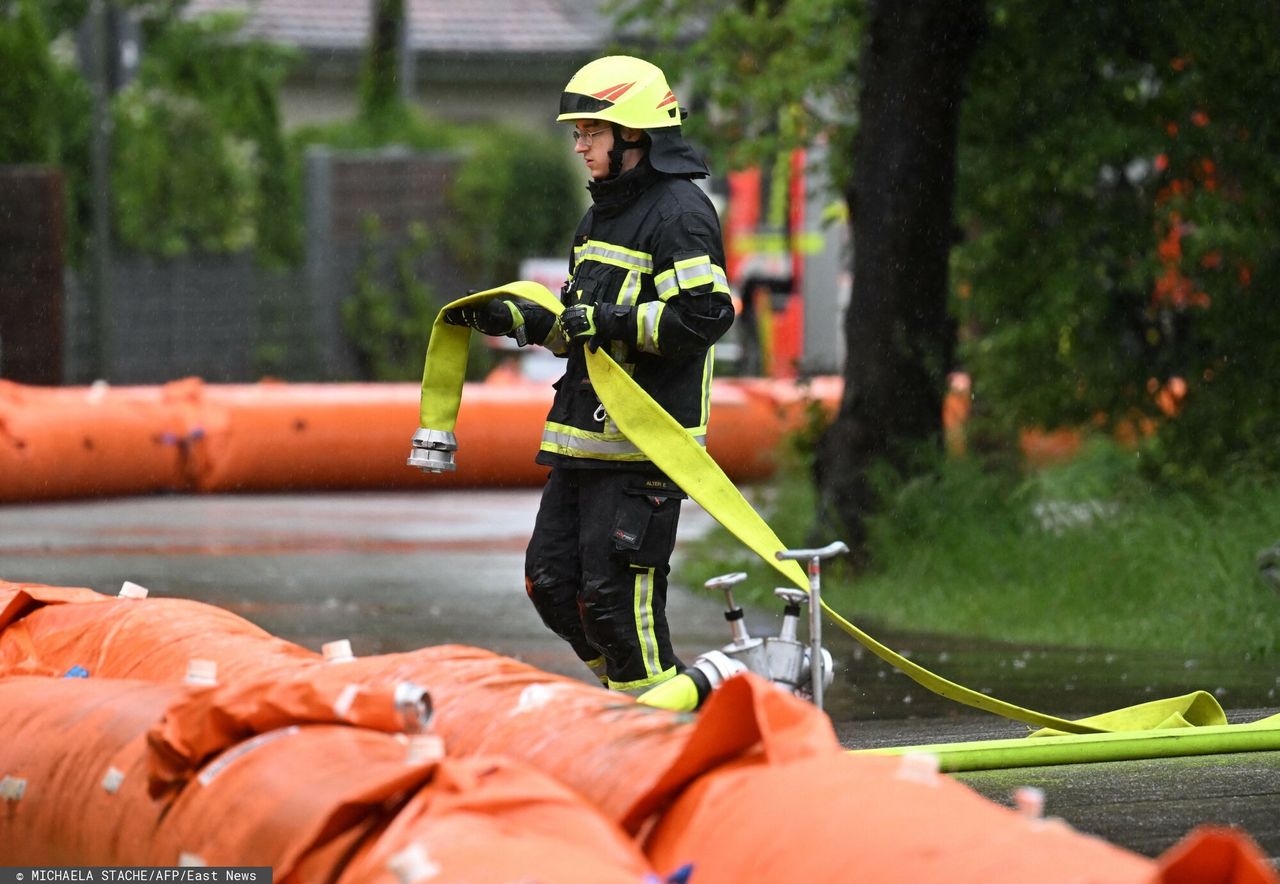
[678, 455]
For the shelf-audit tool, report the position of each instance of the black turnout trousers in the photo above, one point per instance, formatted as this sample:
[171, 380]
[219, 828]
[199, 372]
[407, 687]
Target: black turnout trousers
[596, 569]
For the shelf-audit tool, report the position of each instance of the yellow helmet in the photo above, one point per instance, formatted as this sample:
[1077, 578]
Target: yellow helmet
[620, 89]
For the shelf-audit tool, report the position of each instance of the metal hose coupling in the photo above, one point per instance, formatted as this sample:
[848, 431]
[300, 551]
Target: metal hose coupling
[432, 451]
[414, 703]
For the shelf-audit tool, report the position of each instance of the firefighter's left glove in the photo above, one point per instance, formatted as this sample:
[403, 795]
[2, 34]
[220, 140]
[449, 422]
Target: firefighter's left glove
[592, 324]
[499, 316]
[578, 322]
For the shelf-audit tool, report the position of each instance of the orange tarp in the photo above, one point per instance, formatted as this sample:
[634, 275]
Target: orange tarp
[296, 794]
[51, 630]
[756, 766]
[87, 441]
[190, 436]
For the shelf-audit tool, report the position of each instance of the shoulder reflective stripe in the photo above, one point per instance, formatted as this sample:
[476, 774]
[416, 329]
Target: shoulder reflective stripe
[642, 600]
[647, 319]
[618, 256]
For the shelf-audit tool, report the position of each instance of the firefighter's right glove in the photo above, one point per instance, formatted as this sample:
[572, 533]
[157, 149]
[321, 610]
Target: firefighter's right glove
[497, 317]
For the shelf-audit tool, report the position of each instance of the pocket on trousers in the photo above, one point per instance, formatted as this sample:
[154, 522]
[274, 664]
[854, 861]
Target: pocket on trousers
[645, 524]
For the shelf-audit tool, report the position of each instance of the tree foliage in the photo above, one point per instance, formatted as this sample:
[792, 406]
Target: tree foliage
[1119, 197]
[44, 103]
[908, 85]
[388, 319]
[761, 77]
[516, 196]
[199, 153]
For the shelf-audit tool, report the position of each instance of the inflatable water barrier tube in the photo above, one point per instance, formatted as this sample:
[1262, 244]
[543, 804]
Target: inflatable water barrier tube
[150, 731]
[69, 442]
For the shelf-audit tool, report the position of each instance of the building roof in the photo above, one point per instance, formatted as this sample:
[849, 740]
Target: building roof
[437, 27]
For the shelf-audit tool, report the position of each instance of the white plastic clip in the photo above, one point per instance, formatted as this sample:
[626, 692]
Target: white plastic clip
[111, 782]
[202, 671]
[12, 788]
[337, 651]
[920, 767]
[131, 590]
[424, 749]
[1030, 801]
[412, 865]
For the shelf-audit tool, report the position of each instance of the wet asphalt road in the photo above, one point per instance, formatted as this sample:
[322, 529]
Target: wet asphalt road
[392, 572]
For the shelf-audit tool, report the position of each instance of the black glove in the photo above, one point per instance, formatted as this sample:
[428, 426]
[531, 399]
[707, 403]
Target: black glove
[578, 322]
[593, 324]
[496, 317]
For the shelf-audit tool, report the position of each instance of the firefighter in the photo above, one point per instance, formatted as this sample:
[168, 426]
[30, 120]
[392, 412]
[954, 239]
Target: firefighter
[647, 283]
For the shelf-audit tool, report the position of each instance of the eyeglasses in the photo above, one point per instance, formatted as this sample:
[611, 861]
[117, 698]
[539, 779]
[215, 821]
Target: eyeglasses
[583, 137]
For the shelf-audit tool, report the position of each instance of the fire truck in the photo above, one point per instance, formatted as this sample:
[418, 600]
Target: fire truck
[787, 251]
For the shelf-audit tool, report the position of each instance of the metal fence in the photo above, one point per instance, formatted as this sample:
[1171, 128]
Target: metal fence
[222, 318]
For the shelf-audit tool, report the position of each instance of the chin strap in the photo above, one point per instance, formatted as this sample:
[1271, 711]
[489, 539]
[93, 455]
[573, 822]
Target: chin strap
[621, 146]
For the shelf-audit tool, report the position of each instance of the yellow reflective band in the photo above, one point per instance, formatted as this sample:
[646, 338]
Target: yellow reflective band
[648, 316]
[555, 341]
[630, 289]
[618, 256]
[642, 600]
[708, 369]
[574, 442]
[665, 283]
[664, 675]
[694, 272]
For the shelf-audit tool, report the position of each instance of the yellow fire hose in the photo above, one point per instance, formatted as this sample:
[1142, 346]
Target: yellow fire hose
[675, 452]
[1213, 739]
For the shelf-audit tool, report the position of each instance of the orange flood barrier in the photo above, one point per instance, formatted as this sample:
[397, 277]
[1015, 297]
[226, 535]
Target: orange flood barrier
[337, 794]
[191, 436]
[49, 630]
[837, 820]
[603, 744]
[87, 442]
[301, 783]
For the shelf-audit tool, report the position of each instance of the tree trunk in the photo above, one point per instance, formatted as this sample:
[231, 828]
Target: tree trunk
[900, 336]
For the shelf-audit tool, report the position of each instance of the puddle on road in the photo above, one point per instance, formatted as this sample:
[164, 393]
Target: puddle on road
[1069, 683]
